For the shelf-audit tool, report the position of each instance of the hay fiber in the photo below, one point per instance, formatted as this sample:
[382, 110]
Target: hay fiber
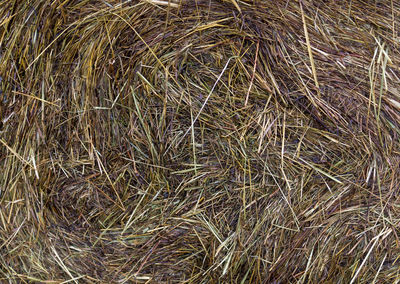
[199, 141]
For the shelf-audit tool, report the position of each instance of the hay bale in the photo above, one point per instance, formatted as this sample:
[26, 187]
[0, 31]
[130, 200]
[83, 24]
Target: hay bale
[199, 141]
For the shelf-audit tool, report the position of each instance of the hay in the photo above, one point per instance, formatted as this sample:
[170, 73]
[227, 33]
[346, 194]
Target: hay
[199, 141]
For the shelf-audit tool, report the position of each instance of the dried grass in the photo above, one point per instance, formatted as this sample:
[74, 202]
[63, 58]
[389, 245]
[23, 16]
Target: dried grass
[199, 141]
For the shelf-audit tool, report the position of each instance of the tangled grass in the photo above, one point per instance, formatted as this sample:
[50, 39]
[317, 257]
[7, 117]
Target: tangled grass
[218, 141]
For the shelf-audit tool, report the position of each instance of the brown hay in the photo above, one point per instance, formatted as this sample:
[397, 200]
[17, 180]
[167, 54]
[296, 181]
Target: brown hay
[199, 141]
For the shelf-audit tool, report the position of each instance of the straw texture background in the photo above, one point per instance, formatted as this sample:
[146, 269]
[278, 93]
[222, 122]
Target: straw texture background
[199, 141]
